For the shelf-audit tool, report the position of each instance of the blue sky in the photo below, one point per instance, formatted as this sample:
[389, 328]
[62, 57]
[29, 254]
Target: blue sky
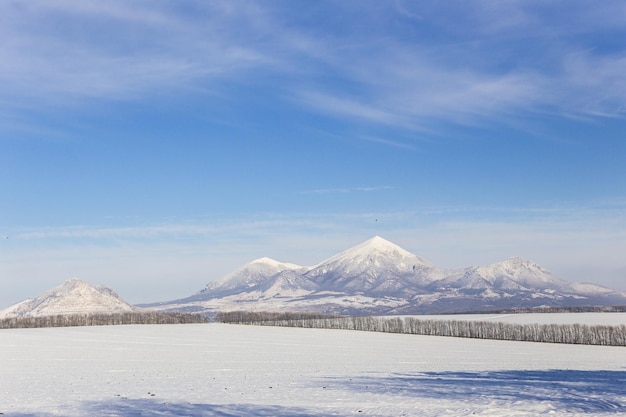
[153, 146]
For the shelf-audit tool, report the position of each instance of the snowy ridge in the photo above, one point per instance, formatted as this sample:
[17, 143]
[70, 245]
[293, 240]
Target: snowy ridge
[522, 271]
[379, 277]
[73, 297]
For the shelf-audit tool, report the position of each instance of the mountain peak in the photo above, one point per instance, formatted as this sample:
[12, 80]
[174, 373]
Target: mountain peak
[73, 283]
[251, 274]
[377, 247]
[379, 243]
[266, 261]
[525, 272]
[520, 264]
[516, 260]
[72, 297]
[366, 264]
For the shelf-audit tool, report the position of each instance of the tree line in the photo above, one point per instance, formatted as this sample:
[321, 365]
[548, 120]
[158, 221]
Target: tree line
[553, 309]
[547, 333]
[102, 319]
[262, 317]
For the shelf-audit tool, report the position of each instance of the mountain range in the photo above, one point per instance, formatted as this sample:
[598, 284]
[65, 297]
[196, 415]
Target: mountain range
[374, 277]
[379, 277]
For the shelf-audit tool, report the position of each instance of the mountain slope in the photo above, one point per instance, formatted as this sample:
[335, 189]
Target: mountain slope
[375, 266]
[514, 274]
[73, 297]
[379, 277]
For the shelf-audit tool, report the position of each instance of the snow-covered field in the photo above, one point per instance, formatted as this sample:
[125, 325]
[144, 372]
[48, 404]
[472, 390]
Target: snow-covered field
[230, 370]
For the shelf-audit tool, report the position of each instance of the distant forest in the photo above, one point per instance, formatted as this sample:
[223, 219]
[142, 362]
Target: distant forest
[547, 333]
[104, 319]
[544, 309]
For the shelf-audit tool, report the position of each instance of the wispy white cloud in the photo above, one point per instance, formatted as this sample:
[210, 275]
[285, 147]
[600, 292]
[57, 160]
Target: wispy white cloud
[60, 52]
[604, 218]
[413, 99]
[348, 190]
[352, 107]
[597, 84]
[117, 50]
[389, 142]
[508, 62]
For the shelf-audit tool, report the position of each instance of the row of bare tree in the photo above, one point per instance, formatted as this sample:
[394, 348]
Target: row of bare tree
[546, 309]
[104, 319]
[548, 333]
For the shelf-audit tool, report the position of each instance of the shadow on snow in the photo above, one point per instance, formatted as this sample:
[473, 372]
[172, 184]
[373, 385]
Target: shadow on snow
[153, 407]
[564, 390]
[584, 392]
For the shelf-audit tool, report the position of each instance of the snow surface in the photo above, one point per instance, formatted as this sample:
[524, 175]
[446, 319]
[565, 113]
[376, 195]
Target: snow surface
[229, 370]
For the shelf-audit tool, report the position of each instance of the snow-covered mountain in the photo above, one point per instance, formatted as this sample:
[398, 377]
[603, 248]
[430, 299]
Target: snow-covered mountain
[379, 277]
[375, 266]
[73, 297]
[514, 274]
[251, 275]
[374, 277]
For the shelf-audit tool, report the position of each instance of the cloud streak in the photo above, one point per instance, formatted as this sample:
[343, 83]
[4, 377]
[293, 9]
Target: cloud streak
[544, 72]
[348, 190]
[117, 51]
[122, 51]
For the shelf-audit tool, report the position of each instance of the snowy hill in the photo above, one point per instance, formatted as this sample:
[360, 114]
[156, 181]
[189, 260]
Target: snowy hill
[73, 297]
[379, 277]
